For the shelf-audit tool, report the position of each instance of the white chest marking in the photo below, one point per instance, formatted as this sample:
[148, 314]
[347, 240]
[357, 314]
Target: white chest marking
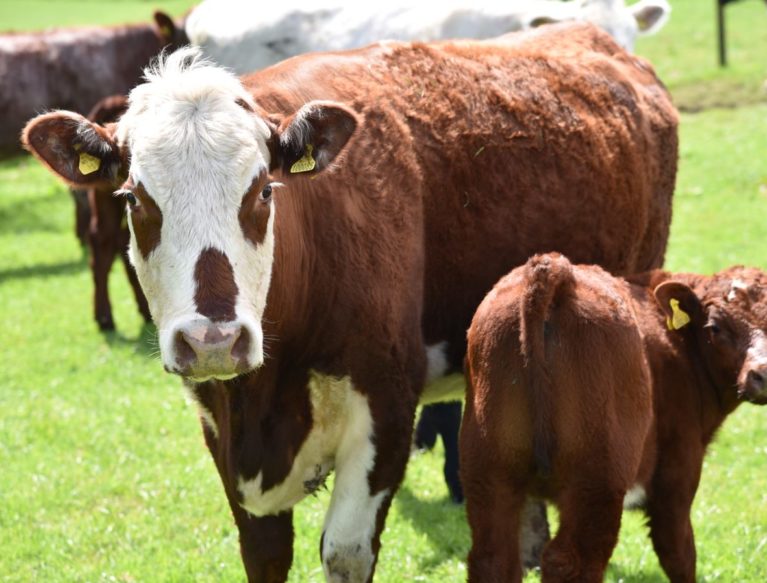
[333, 407]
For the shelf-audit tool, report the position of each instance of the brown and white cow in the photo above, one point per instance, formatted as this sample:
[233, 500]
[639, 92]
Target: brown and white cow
[73, 68]
[313, 240]
[595, 392]
[106, 228]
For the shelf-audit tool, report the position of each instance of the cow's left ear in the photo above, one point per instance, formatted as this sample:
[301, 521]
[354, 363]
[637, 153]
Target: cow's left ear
[311, 139]
[680, 305]
[169, 33]
[650, 15]
[82, 153]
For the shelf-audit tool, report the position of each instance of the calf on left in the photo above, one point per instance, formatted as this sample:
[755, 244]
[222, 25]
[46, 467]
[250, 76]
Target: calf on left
[594, 392]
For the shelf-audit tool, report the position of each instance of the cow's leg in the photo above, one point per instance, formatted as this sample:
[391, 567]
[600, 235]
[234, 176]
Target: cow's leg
[138, 293]
[590, 519]
[448, 419]
[101, 235]
[370, 464]
[266, 545]
[494, 507]
[670, 528]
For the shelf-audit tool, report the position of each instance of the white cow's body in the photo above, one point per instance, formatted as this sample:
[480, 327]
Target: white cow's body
[242, 35]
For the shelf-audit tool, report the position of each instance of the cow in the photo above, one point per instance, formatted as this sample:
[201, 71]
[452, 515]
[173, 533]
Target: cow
[72, 68]
[245, 36]
[595, 391]
[102, 217]
[314, 238]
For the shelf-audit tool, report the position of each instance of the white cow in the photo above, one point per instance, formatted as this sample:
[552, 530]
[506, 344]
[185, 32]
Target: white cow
[243, 36]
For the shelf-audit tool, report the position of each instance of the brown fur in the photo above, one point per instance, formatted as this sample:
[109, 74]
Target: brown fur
[618, 392]
[216, 290]
[254, 212]
[146, 218]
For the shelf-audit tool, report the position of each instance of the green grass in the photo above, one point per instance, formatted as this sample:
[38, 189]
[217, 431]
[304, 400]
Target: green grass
[103, 472]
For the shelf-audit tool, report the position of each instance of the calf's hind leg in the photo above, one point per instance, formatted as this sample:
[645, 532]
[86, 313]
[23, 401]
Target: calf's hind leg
[590, 519]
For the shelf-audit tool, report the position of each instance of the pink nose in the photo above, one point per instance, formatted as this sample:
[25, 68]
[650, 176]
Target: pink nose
[204, 349]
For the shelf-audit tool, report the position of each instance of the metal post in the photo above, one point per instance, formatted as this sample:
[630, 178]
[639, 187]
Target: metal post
[722, 41]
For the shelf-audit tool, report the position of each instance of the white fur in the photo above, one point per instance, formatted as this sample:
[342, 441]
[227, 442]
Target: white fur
[635, 497]
[756, 356]
[196, 151]
[248, 36]
[737, 284]
[335, 405]
[205, 414]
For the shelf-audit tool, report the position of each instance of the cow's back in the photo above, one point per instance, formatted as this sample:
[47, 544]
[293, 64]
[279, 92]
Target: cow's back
[551, 140]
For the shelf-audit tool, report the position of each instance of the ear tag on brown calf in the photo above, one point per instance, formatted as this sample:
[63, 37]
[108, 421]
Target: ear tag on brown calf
[305, 164]
[679, 318]
[88, 164]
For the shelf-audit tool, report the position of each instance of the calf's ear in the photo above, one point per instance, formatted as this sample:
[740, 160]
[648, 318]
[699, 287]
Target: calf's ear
[311, 139]
[82, 153]
[680, 305]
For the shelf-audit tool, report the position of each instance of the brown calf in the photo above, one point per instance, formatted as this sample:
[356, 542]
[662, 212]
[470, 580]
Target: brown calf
[72, 68]
[582, 387]
[102, 218]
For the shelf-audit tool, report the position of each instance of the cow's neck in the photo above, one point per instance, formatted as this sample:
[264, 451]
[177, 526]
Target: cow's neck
[306, 278]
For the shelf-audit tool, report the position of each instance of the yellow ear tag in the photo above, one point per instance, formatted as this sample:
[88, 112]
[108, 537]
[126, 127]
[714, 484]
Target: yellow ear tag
[305, 164]
[679, 318]
[88, 164]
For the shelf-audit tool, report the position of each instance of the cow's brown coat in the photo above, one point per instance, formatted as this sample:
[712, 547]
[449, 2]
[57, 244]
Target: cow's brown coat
[577, 391]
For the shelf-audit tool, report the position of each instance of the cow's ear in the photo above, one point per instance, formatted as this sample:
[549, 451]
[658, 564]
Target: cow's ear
[311, 139]
[166, 28]
[650, 15]
[81, 152]
[680, 304]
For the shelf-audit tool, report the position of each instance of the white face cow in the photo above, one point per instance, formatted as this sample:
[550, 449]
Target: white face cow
[623, 23]
[199, 196]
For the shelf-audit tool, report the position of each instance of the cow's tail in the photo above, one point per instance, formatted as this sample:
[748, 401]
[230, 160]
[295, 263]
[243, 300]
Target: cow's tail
[548, 278]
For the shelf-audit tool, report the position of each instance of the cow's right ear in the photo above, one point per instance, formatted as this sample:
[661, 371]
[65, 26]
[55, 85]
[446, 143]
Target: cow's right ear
[680, 304]
[79, 151]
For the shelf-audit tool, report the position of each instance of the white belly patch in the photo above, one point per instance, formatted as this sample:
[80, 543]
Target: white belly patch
[333, 404]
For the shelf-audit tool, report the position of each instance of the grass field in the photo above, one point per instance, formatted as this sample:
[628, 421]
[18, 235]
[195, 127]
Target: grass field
[103, 472]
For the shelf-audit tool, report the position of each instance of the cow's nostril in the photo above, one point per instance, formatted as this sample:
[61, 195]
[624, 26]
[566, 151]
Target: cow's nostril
[241, 346]
[185, 354]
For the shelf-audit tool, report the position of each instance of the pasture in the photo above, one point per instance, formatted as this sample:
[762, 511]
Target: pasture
[103, 472]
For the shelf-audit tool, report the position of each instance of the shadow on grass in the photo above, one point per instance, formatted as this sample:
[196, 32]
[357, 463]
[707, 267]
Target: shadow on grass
[50, 270]
[145, 343]
[34, 215]
[448, 533]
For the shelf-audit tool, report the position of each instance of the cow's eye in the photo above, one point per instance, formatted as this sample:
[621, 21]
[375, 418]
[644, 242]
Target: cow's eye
[266, 193]
[127, 195]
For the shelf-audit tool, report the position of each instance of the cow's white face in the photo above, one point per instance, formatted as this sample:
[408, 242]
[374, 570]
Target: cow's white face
[199, 198]
[198, 152]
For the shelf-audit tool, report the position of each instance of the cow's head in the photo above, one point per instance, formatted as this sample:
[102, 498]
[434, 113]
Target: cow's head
[623, 23]
[200, 198]
[726, 318]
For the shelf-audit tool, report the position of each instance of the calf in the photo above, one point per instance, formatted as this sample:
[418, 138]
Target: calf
[247, 36]
[72, 68]
[314, 238]
[106, 227]
[591, 391]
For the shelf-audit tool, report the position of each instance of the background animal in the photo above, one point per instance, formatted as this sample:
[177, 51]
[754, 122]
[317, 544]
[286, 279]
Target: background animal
[247, 36]
[106, 227]
[73, 68]
[419, 202]
[594, 392]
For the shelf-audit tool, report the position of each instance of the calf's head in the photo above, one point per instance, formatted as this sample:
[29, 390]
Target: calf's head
[726, 319]
[201, 199]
